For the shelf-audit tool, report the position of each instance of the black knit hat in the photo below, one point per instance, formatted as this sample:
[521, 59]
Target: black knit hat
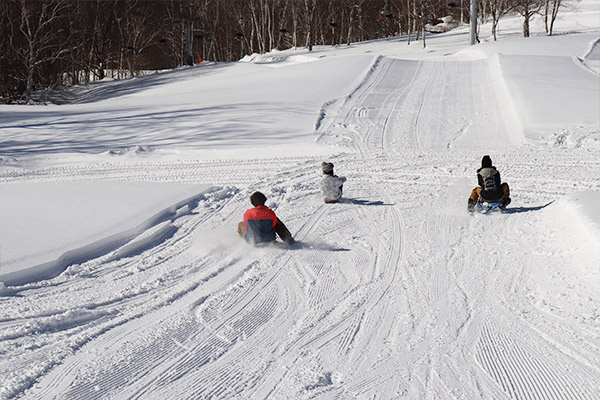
[486, 162]
[258, 199]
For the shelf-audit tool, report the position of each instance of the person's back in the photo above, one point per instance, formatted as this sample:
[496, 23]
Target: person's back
[491, 188]
[489, 180]
[331, 185]
[260, 223]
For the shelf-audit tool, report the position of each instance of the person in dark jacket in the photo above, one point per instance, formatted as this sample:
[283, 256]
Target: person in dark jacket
[260, 223]
[490, 188]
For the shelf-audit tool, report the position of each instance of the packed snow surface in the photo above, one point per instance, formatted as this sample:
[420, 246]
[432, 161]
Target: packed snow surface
[122, 275]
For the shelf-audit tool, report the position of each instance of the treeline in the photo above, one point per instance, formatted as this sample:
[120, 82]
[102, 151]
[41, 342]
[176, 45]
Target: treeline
[48, 43]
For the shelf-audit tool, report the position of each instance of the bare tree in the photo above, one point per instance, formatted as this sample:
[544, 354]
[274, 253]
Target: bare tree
[421, 18]
[551, 8]
[310, 7]
[295, 21]
[281, 23]
[418, 14]
[91, 36]
[257, 30]
[409, 20]
[6, 53]
[498, 8]
[38, 20]
[135, 32]
[354, 9]
[46, 42]
[527, 9]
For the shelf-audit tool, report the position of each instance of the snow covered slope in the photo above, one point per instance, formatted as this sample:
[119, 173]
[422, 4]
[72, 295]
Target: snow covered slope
[396, 292]
[54, 224]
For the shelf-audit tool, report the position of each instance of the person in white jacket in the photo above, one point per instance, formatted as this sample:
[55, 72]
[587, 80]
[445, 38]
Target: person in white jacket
[331, 185]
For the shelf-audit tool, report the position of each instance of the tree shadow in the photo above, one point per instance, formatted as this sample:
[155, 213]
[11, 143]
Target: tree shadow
[110, 88]
[103, 130]
[516, 210]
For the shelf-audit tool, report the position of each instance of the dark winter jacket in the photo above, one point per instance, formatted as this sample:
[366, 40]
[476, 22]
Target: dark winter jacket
[489, 180]
[260, 222]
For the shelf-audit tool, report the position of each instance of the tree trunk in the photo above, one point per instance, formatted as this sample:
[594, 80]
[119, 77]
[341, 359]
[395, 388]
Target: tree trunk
[555, 7]
[526, 25]
[546, 9]
[294, 26]
[408, 24]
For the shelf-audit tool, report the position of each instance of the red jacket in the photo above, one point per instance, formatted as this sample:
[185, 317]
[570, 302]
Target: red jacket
[260, 222]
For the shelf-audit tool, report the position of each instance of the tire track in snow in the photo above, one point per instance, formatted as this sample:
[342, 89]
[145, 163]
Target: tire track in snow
[302, 231]
[240, 172]
[238, 317]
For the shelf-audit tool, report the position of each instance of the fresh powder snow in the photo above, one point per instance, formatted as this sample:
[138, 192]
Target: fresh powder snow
[122, 275]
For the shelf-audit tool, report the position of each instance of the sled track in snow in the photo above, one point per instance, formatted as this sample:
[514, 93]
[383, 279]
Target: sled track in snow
[513, 354]
[523, 374]
[116, 330]
[344, 336]
[402, 105]
[244, 315]
[225, 371]
[240, 172]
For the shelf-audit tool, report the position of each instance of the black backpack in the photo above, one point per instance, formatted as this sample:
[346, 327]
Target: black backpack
[489, 179]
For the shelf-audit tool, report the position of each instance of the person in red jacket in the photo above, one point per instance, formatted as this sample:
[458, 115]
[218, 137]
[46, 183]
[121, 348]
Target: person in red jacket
[261, 224]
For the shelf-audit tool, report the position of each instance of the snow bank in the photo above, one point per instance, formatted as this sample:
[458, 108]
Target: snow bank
[447, 23]
[48, 225]
[581, 209]
[278, 58]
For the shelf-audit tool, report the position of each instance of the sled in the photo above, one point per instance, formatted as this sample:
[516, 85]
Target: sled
[488, 207]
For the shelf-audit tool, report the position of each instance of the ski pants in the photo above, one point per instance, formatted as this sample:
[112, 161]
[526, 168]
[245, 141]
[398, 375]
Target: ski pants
[476, 193]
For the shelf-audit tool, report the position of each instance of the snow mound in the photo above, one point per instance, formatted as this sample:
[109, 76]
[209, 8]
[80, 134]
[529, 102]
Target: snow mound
[441, 25]
[576, 138]
[278, 58]
[591, 61]
[130, 151]
[58, 322]
[580, 210]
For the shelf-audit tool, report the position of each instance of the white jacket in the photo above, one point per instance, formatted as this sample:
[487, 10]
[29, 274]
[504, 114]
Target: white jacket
[331, 187]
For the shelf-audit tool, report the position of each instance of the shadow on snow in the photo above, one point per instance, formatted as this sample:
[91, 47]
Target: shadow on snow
[516, 210]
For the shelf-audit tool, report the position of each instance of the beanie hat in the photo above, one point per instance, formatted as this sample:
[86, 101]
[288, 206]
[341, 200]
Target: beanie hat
[486, 162]
[327, 167]
[258, 199]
